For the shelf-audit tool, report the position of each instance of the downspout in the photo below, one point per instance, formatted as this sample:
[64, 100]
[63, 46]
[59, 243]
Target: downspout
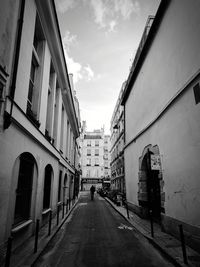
[7, 116]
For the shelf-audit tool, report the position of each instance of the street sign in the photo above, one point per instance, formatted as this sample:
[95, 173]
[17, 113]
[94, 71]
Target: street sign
[155, 162]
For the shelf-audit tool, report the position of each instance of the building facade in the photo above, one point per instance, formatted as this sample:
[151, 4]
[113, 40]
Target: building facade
[117, 146]
[95, 158]
[39, 124]
[162, 110]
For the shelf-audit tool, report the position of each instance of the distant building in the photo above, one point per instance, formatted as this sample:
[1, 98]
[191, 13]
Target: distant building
[39, 120]
[95, 158]
[117, 146]
[162, 109]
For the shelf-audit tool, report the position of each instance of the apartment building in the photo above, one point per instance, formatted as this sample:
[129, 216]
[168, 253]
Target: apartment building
[117, 146]
[95, 158]
[39, 119]
[161, 102]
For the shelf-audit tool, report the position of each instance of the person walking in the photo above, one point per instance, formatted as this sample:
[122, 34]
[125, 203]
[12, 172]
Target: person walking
[92, 190]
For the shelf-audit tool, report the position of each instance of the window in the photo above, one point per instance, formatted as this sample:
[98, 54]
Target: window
[47, 187]
[31, 89]
[96, 142]
[106, 165]
[88, 173]
[88, 142]
[35, 73]
[88, 162]
[96, 152]
[96, 162]
[88, 152]
[59, 186]
[24, 188]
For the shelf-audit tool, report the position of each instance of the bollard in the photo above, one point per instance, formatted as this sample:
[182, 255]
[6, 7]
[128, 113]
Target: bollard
[151, 221]
[58, 210]
[36, 235]
[8, 251]
[50, 219]
[63, 210]
[67, 206]
[127, 211]
[183, 244]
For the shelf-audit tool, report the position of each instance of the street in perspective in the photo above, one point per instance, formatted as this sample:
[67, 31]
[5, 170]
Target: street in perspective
[99, 133]
[97, 235]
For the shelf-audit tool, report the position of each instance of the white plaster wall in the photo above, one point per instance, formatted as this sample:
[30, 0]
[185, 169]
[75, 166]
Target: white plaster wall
[14, 143]
[177, 135]
[172, 59]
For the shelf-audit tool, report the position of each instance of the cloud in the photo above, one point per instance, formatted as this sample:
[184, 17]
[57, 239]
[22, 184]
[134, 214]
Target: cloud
[100, 10]
[112, 25]
[64, 5]
[89, 72]
[69, 40]
[126, 8]
[79, 71]
[106, 12]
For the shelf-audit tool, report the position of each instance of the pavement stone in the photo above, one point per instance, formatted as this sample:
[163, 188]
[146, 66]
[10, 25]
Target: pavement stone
[166, 243]
[24, 255]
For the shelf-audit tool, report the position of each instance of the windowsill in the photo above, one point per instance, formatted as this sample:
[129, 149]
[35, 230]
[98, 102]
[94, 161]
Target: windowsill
[46, 211]
[21, 226]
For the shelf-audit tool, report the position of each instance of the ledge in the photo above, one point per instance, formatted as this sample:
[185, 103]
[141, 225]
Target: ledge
[46, 211]
[21, 226]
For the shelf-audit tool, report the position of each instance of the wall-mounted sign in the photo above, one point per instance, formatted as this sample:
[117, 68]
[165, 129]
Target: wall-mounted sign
[155, 162]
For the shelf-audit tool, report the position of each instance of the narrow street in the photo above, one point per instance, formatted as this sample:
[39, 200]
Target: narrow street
[96, 235]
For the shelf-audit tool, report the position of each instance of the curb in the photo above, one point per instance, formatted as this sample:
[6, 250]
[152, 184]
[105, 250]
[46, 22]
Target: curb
[151, 240]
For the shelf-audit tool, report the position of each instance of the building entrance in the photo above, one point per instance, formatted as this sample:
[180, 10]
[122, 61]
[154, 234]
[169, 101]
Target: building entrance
[150, 186]
[154, 198]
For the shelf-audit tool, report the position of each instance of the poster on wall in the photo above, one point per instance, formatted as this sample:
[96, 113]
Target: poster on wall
[155, 162]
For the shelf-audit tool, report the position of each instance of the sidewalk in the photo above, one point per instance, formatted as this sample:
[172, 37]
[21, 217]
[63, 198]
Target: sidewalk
[166, 243]
[24, 255]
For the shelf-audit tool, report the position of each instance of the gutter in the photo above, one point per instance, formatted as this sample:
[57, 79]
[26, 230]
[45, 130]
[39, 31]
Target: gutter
[8, 116]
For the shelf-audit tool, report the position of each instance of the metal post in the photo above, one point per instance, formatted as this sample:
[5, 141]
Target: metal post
[63, 209]
[183, 244]
[58, 209]
[50, 219]
[36, 235]
[8, 251]
[127, 210]
[151, 220]
[67, 206]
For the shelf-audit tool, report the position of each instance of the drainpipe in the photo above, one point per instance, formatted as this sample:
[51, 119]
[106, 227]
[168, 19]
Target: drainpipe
[7, 116]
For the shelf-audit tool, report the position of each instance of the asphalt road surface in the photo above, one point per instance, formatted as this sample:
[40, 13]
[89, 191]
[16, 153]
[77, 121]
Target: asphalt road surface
[95, 235]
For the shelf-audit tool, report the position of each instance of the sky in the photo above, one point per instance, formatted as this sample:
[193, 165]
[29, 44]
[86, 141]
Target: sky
[100, 39]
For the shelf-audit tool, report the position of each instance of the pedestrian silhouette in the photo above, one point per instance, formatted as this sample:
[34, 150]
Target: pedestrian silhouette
[92, 190]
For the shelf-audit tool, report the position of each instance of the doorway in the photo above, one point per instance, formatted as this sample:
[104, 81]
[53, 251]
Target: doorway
[150, 186]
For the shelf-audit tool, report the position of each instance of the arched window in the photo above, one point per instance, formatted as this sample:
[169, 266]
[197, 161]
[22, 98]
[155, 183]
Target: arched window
[47, 187]
[24, 188]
